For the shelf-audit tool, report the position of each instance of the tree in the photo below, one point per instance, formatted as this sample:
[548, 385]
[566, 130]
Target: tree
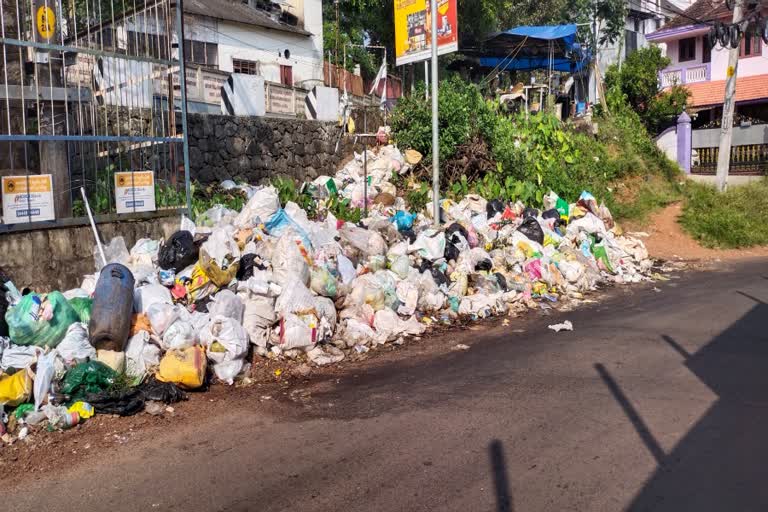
[637, 84]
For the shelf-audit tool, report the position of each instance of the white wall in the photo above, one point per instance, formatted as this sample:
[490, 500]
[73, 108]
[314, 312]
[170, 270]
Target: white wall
[239, 41]
[667, 143]
[747, 66]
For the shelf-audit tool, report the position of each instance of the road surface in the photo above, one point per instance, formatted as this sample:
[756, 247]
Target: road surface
[657, 401]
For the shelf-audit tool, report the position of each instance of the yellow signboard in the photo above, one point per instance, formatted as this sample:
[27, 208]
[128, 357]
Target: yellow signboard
[413, 29]
[46, 22]
[135, 191]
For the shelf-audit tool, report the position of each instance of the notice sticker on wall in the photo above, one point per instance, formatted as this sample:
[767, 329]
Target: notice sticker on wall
[135, 191]
[27, 198]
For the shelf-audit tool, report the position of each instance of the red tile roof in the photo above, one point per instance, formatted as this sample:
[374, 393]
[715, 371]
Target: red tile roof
[703, 11]
[748, 88]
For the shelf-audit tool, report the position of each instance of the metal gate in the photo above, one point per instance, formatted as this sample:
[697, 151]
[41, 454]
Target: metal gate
[92, 96]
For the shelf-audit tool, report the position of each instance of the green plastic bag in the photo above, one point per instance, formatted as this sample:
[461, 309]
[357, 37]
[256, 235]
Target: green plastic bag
[82, 306]
[562, 208]
[601, 255]
[40, 320]
[90, 377]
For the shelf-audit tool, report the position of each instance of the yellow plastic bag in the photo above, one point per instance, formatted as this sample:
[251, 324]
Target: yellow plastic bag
[199, 285]
[84, 409]
[15, 389]
[184, 367]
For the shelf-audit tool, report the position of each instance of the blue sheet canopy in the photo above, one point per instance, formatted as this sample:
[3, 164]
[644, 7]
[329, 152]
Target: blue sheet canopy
[529, 47]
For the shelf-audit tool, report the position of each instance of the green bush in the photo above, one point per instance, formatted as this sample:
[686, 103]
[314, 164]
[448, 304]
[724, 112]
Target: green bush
[461, 110]
[733, 219]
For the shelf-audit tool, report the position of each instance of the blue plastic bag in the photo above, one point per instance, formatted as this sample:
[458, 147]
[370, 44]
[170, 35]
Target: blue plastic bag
[403, 220]
[281, 221]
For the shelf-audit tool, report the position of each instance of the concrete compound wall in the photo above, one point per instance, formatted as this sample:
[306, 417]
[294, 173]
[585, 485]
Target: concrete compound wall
[58, 258]
[254, 149]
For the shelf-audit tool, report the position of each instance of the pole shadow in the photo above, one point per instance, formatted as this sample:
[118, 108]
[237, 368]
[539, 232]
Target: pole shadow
[504, 501]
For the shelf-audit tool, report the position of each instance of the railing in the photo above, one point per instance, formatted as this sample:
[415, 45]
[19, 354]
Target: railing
[685, 75]
[750, 159]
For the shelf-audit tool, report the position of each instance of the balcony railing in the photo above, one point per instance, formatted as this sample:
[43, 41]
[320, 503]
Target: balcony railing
[685, 75]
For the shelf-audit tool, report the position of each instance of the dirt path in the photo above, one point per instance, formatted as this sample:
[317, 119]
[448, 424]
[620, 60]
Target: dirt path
[668, 241]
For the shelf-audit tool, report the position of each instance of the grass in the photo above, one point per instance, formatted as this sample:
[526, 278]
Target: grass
[635, 199]
[735, 219]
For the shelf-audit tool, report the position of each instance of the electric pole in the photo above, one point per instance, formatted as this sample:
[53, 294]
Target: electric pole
[726, 127]
[435, 126]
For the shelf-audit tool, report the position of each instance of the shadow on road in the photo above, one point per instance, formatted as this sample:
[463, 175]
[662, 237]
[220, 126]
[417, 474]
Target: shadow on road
[500, 477]
[719, 464]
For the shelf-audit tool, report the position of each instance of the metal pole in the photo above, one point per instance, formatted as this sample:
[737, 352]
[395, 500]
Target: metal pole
[426, 79]
[183, 86]
[365, 178]
[594, 57]
[726, 127]
[435, 127]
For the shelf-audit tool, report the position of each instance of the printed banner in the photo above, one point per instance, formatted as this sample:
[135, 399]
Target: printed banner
[135, 191]
[413, 29]
[27, 199]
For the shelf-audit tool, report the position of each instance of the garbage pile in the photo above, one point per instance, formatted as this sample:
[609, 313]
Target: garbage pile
[165, 316]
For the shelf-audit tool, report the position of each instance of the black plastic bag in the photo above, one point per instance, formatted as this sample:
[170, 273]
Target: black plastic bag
[493, 207]
[166, 392]
[451, 252]
[454, 230]
[248, 264]
[530, 212]
[408, 234]
[560, 226]
[178, 252]
[485, 265]
[551, 214]
[123, 403]
[440, 277]
[3, 303]
[532, 229]
[502, 281]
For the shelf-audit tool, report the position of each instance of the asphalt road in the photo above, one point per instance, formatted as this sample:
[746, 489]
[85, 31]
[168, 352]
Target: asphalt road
[657, 401]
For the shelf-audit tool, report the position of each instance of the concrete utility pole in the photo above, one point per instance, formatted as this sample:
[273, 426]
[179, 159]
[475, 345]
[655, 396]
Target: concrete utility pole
[726, 127]
[435, 127]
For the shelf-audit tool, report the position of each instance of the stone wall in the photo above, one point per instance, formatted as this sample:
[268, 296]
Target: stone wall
[58, 258]
[255, 149]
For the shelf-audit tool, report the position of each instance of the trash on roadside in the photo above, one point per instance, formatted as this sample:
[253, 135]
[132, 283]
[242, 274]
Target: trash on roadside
[564, 326]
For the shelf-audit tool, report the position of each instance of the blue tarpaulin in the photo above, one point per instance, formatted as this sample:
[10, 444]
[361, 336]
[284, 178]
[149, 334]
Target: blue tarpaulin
[535, 47]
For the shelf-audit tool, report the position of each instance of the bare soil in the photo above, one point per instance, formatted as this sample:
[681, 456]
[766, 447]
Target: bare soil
[668, 241]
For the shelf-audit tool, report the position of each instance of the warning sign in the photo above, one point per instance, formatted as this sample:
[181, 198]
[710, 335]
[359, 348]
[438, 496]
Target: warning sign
[135, 191]
[27, 199]
[45, 21]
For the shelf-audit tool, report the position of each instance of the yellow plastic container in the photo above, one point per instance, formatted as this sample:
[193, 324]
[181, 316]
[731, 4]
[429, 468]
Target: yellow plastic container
[184, 367]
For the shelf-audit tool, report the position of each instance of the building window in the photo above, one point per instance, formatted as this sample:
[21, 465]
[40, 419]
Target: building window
[246, 67]
[147, 45]
[657, 22]
[706, 53]
[750, 47]
[686, 49]
[286, 75]
[201, 52]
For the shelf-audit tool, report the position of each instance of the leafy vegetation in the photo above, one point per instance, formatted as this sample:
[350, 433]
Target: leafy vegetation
[636, 83]
[732, 219]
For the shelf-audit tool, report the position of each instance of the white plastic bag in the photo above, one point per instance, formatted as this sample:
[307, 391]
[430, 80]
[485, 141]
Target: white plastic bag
[43, 377]
[179, 335]
[296, 298]
[148, 295]
[297, 331]
[16, 356]
[114, 252]
[75, 347]
[430, 244]
[226, 344]
[258, 318]
[366, 241]
[288, 262]
[226, 303]
[408, 295]
[262, 205]
[161, 316]
[140, 355]
[346, 269]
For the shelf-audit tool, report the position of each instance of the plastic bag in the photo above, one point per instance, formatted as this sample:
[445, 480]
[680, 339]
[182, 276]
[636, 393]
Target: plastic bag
[90, 377]
[15, 389]
[220, 258]
[367, 242]
[226, 345]
[15, 356]
[185, 368]
[115, 252]
[148, 295]
[216, 216]
[40, 320]
[140, 355]
[323, 283]
[259, 208]
[226, 303]
[180, 334]
[403, 220]
[162, 316]
[195, 283]
[297, 331]
[75, 347]
[82, 306]
[532, 229]
[258, 318]
[112, 358]
[430, 244]
[288, 263]
[281, 223]
[178, 252]
[401, 266]
[346, 269]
